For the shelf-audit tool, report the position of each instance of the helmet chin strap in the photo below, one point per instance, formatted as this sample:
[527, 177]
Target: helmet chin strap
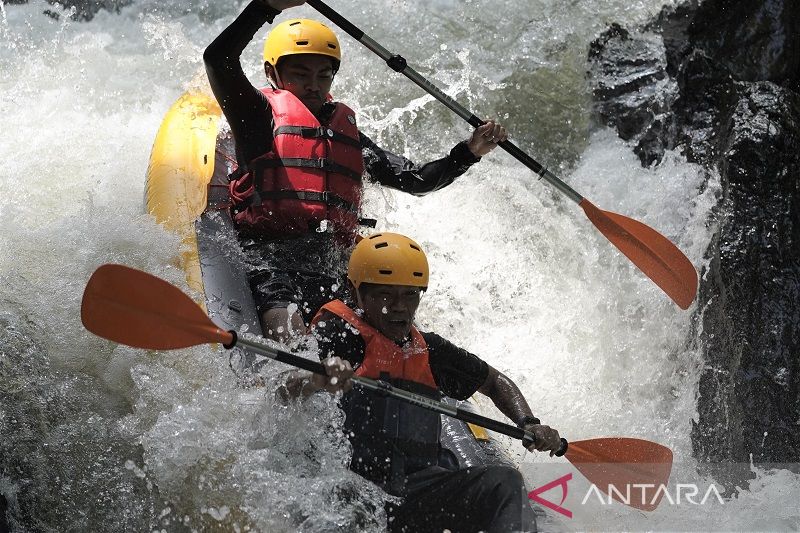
[359, 300]
[277, 83]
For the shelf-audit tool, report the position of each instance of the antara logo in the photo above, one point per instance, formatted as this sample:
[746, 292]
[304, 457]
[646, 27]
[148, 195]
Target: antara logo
[637, 494]
[640, 495]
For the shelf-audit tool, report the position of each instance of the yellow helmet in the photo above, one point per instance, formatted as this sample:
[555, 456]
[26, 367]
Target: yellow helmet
[301, 36]
[388, 259]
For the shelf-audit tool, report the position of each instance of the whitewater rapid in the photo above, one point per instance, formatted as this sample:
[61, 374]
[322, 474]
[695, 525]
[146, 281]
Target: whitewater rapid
[95, 436]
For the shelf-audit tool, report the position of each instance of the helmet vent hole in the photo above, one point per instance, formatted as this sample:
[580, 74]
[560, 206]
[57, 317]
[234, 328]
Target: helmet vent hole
[332, 46]
[301, 43]
[295, 23]
[415, 247]
[381, 245]
[418, 274]
[376, 236]
[387, 272]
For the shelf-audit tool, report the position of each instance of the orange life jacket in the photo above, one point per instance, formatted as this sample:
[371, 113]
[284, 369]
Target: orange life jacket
[383, 356]
[390, 438]
[313, 173]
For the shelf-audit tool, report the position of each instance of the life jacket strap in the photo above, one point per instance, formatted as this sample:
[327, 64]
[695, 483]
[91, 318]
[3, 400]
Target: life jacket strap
[322, 164]
[325, 197]
[317, 133]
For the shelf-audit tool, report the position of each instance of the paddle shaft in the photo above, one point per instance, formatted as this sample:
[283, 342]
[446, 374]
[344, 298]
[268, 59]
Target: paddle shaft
[655, 255]
[137, 309]
[399, 64]
[387, 389]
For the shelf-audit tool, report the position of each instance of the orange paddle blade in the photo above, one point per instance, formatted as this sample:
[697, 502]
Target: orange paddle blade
[654, 254]
[632, 471]
[132, 307]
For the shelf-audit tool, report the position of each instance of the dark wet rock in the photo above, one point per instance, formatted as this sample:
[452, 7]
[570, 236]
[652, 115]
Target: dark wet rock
[83, 9]
[757, 41]
[719, 82]
[706, 97]
[87, 9]
[632, 90]
[629, 71]
[749, 395]
[704, 50]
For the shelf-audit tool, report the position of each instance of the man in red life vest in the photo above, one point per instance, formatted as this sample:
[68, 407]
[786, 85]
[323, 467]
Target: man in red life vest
[297, 190]
[397, 444]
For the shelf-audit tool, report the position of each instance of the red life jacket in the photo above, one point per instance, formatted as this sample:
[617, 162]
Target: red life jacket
[383, 356]
[390, 438]
[313, 172]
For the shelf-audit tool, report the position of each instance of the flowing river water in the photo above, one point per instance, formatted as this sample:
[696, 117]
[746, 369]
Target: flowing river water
[100, 437]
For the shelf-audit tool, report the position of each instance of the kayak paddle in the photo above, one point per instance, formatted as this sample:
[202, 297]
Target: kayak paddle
[651, 252]
[135, 308]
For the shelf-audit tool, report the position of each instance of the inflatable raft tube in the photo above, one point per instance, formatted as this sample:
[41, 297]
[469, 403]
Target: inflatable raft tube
[186, 191]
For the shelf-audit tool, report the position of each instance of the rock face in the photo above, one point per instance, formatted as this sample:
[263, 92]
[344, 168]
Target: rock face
[721, 82]
[755, 41]
[752, 322]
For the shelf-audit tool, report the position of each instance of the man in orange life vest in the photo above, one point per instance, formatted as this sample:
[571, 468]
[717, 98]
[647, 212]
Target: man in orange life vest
[397, 444]
[301, 159]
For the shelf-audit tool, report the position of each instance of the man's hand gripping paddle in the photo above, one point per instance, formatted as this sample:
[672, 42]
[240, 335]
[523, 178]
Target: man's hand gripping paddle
[132, 307]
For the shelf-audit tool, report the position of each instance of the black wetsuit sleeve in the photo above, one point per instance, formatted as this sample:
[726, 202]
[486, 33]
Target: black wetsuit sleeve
[400, 173]
[335, 337]
[245, 107]
[457, 372]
